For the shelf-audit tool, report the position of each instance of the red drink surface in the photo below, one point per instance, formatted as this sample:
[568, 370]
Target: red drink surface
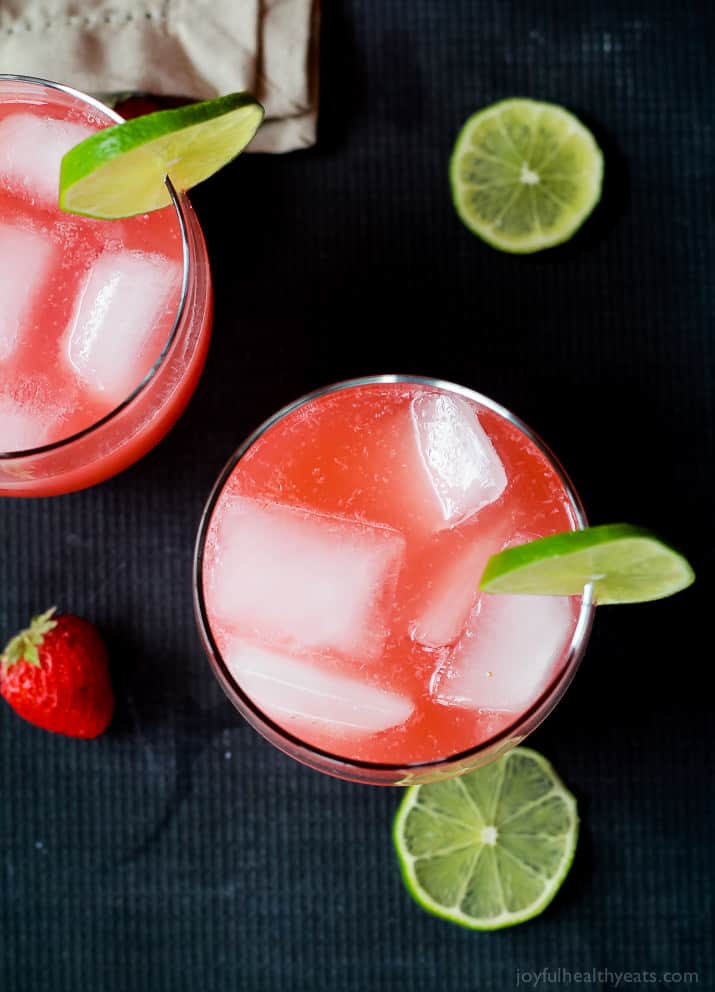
[86, 307]
[363, 497]
[38, 367]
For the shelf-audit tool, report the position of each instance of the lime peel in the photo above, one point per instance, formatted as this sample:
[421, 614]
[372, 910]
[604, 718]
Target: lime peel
[623, 564]
[488, 875]
[121, 170]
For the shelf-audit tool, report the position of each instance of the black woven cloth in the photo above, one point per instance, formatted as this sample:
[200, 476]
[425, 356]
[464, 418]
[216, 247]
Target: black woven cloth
[180, 852]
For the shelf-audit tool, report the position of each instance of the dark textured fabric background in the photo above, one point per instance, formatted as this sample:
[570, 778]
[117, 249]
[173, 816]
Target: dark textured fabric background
[180, 851]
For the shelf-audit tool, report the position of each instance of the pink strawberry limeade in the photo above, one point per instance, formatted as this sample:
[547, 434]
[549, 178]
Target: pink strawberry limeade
[104, 325]
[338, 569]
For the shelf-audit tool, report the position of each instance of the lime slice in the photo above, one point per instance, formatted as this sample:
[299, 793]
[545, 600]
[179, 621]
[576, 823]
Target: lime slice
[489, 849]
[120, 170]
[525, 175]
[625, 564]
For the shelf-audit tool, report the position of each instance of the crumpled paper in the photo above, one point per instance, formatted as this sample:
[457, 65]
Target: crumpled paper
[177, 48]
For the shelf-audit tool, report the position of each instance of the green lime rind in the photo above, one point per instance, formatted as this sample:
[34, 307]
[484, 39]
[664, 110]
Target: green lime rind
[623, 563]
[120, 170]
[449, 868]
[522, 211]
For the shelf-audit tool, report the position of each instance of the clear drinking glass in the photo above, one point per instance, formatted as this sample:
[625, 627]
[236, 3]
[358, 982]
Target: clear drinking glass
[133, 426]
[342, 765]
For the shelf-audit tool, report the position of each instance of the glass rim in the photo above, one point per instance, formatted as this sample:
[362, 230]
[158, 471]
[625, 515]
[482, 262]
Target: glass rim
[572, 654]
[179, 209]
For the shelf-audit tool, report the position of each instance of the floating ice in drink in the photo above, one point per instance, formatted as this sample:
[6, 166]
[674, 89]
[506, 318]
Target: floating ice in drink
[506, 654]
[307, 695]
[290, 576]
[26, 255]
[90, 311]
[31, 149]
[462, 467]
[82, 306]
[343, 555]
[118, 304]
[447, 597]
[23, 426]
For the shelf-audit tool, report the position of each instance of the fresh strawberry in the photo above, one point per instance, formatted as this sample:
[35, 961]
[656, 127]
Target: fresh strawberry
[55, 675]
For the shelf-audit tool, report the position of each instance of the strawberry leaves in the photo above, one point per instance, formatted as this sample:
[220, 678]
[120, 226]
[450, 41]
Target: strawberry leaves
[23, 646]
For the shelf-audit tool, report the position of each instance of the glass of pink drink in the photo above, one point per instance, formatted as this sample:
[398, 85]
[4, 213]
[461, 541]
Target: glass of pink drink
[104, 325]
[337, 571]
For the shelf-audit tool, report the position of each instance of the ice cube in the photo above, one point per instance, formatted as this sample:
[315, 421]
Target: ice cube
[446, 601]
[293, 691]
[22, 427]
[289, 576]
[26, 259]
[31, 149]
[462, 467]
[508, 652]
[111, 341]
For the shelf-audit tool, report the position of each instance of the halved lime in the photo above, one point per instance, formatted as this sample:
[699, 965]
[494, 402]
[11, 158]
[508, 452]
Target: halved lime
[625, 564]
[120, 170]
[525, 175]
[489, 849]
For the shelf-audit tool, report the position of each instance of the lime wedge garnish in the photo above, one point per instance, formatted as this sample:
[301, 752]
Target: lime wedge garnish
[489, 849]
[625, 564]
[525, 175]
[120, 170]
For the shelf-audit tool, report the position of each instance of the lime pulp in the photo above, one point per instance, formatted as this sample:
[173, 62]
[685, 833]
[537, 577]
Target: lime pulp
[525, 174]
[492, 848]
